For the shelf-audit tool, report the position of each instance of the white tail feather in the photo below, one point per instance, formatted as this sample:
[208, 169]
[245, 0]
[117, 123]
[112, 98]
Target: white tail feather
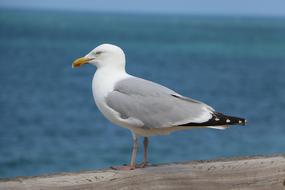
[219, 127]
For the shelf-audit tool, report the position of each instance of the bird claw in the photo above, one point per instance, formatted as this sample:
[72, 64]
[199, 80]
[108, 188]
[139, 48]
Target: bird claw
[123, 168]
[143, 165]
[129, 167]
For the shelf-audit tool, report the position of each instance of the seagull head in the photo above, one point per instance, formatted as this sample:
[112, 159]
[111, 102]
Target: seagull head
[105, 55]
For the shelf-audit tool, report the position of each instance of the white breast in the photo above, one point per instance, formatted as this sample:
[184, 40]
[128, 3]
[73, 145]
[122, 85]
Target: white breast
[103, 83]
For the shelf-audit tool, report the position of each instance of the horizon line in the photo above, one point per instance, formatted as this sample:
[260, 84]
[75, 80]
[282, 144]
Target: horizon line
[140, 12]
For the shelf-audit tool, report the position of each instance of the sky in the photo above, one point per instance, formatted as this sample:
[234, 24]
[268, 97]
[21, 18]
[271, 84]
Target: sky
[217, 7]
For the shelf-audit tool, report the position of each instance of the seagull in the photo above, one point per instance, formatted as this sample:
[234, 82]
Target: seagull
[142, 106]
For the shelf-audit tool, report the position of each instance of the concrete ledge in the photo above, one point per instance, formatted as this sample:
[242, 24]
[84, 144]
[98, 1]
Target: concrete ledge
[224, 174]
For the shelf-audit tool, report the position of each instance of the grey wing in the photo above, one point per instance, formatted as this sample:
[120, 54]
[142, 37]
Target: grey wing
[154, 105]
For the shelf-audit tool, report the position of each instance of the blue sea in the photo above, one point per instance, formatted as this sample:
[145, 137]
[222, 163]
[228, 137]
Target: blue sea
[49, 122]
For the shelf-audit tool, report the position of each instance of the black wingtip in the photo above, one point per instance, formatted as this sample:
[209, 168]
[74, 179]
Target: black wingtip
[242, 122]
[245, 122]
[230, 120]
[219, 119]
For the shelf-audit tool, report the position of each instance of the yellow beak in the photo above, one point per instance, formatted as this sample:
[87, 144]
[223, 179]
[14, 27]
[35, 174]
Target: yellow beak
[81, 61]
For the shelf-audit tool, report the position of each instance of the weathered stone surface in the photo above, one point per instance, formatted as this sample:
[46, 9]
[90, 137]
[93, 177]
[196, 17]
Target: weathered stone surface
[224, 174]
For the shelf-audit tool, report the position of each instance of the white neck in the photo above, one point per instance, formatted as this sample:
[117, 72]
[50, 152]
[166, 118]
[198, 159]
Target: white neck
[105, 79]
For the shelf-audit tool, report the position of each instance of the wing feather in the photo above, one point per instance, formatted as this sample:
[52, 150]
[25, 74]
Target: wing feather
[155, 105]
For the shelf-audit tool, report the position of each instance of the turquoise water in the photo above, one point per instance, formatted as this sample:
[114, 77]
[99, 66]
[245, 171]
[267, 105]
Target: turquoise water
[49, 122]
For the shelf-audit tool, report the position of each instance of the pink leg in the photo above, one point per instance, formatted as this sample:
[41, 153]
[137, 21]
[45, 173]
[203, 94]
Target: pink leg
[145, 156]
[132, 165]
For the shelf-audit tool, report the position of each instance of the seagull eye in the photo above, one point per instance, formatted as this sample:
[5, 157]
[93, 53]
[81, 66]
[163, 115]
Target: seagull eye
[98, 52]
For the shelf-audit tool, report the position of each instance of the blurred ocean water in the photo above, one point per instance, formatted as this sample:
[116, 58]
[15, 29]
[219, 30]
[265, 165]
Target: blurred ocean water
[49, 122]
